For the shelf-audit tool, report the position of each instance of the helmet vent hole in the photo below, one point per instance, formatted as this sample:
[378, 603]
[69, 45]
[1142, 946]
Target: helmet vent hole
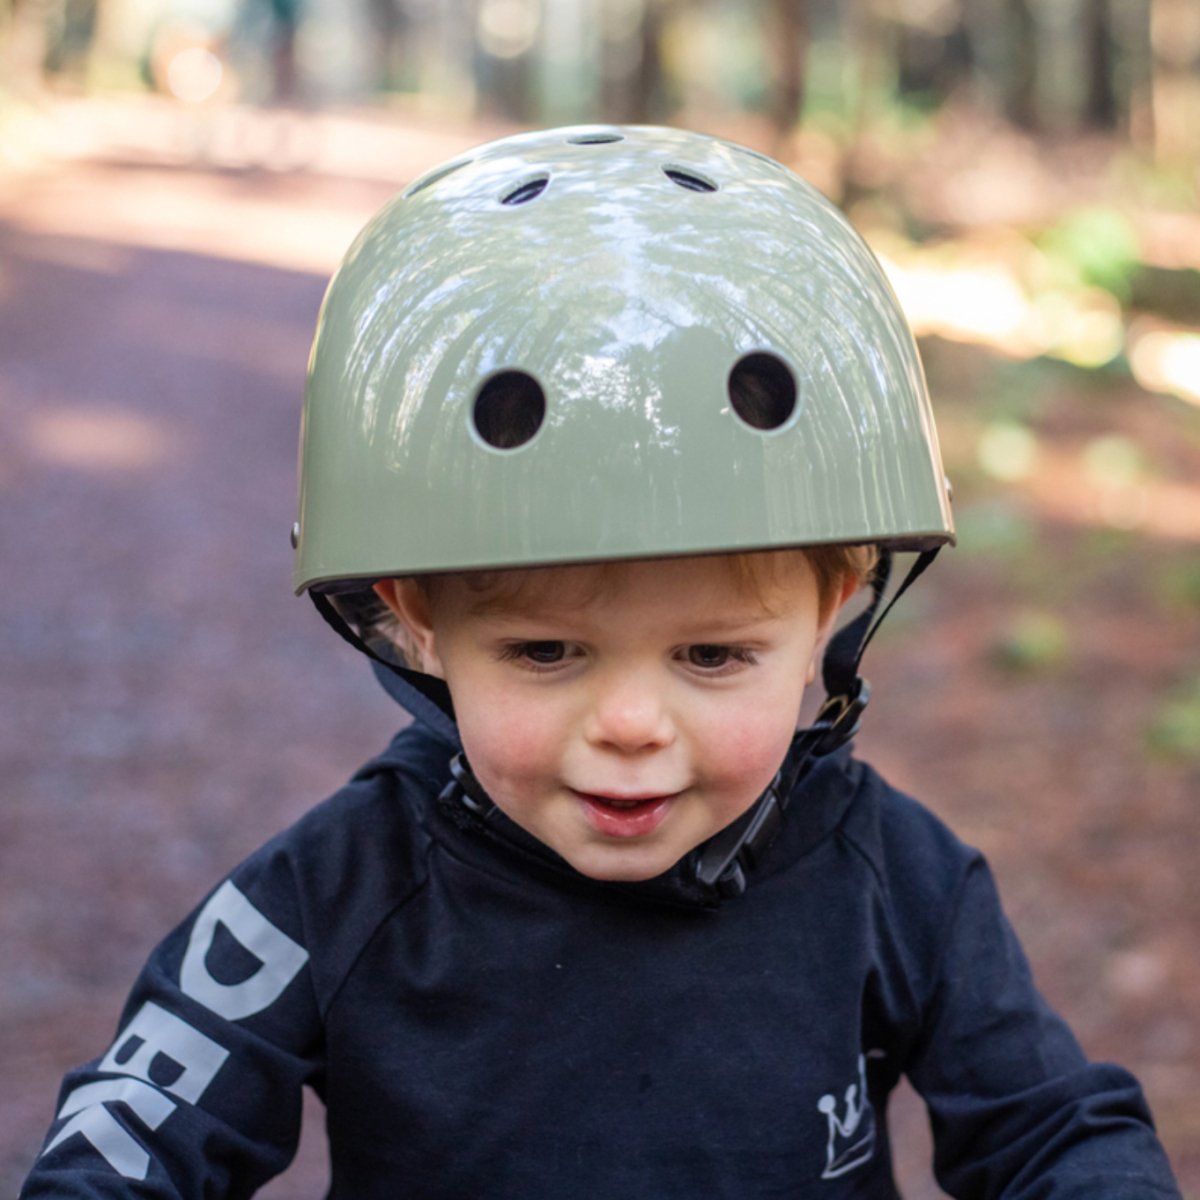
[595, 139]
[688, 179]
[509, 410]
[762, 390]
[531, 189]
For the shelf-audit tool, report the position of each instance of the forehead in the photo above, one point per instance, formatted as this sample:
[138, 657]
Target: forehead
[759, 582]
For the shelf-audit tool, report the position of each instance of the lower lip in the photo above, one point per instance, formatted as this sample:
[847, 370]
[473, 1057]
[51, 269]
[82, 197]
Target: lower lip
[625, 820]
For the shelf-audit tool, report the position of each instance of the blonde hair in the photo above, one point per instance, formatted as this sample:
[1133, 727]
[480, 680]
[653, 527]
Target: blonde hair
[762, 572]
[759, 573]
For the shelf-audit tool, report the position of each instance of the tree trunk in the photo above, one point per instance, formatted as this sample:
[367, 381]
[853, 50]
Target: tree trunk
[1100, 109]
[789, 33]
[1022, 92]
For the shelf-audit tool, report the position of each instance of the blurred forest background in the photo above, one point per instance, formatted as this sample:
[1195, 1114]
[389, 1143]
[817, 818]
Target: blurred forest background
[178, 178]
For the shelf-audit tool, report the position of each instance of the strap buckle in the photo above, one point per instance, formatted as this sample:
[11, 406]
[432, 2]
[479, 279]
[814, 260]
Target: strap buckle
[838, 720]
[468, 791]
[725, 860]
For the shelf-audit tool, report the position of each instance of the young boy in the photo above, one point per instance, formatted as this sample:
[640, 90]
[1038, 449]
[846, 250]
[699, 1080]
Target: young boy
[603, 428]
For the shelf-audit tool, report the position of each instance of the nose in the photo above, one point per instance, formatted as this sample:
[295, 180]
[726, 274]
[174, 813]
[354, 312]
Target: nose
[629, 714]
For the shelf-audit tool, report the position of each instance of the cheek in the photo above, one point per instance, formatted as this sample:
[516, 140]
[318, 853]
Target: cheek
[505, 741]
[750, 751]
[756, 732]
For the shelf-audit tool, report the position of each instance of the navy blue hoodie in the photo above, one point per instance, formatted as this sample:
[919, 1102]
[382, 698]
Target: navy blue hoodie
[481, 1021]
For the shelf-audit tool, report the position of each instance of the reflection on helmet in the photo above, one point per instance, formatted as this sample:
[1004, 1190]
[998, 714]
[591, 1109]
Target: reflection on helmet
[599, 343]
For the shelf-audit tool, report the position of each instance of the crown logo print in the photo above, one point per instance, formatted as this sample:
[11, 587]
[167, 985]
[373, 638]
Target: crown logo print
[851, 1139]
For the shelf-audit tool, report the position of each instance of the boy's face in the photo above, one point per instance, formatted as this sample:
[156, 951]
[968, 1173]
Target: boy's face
[625, 713]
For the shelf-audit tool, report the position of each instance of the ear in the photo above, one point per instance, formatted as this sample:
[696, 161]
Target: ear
[409, 604]
[849, 586]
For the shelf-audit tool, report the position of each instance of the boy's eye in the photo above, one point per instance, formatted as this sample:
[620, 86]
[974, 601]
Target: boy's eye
[544, 654]
[709, 657]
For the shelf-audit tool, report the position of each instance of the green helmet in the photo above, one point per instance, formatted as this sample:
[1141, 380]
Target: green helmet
[598, 343]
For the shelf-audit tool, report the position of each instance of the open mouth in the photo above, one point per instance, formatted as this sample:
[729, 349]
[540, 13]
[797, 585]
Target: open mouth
[626, 816]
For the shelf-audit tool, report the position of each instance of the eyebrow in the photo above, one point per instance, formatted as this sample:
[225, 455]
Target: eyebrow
[499, 604]
[704, 629]
[715, 629]
[735, 624]
[526, 601]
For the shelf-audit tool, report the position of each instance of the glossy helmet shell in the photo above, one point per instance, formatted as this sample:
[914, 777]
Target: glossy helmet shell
[604, 343]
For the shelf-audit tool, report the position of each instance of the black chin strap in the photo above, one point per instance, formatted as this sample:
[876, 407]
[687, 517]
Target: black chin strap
[724, 860]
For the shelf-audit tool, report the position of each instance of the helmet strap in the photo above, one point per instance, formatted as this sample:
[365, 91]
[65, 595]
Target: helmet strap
[432, 702]
[846, 648]
[725, 859]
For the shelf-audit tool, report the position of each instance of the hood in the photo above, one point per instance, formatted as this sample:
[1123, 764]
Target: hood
[428, 711]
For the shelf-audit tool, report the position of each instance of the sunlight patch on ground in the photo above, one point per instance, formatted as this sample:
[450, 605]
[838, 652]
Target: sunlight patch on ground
[979, 295]
[1168, 361]
[376, 144]
[998, 293]
[209, 215]
[271, 187]
[96, 439]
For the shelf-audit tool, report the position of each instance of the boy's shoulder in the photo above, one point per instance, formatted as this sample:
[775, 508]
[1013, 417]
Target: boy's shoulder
[893, 827]
[379, 812]
[335, 875]
[917, 865]
[847, 802]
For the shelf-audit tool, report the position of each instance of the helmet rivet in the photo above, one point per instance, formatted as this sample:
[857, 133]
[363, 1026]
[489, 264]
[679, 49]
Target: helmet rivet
[296, 535]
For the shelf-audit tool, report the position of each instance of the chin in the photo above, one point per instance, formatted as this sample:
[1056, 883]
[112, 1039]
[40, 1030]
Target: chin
[623, 866]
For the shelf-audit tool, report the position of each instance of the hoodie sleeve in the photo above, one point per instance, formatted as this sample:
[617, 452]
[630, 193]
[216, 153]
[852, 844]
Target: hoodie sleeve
[1016, 1108]
[200, 1092]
